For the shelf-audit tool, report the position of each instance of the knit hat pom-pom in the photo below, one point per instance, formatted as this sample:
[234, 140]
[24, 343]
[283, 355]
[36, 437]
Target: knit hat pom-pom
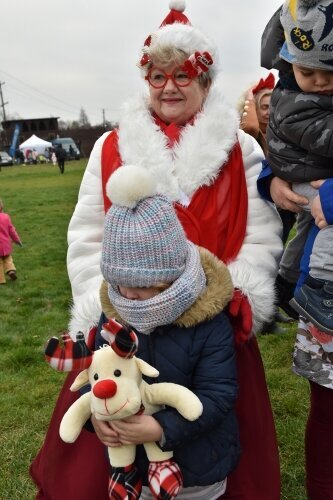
[178, 5]
[129, 184]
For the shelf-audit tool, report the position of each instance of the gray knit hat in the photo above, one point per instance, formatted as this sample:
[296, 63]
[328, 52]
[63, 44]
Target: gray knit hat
[308, 26]
[144, 243]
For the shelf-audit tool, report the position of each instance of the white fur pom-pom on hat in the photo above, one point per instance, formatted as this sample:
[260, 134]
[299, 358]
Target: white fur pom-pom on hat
[129, 184]
[178, 5]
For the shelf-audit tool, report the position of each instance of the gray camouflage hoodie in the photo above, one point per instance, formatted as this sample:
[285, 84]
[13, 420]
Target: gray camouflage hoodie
[300, 131]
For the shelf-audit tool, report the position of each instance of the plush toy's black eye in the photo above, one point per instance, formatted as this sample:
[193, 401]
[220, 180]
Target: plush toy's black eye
[117, 373]
[96, 376]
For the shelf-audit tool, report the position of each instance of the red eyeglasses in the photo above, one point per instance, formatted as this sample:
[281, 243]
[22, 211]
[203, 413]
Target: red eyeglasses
[158, 78]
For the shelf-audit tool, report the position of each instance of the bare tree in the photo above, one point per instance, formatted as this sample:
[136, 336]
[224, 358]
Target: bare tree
[83, 119]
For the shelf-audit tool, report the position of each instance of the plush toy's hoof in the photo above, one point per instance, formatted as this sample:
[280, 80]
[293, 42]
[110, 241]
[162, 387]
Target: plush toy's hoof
[124, 483]
[165, 479]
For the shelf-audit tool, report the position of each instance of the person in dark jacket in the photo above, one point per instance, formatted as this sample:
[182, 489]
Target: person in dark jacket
[300, 151]
[61, 157]
[173, 294]
[300, 146]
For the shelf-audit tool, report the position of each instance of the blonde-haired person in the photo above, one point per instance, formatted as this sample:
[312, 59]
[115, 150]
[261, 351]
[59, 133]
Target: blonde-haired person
[188, 137]
[8, 234]
[254, 109]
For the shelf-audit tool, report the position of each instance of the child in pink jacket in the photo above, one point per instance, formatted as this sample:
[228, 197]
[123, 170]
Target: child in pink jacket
[8, 234]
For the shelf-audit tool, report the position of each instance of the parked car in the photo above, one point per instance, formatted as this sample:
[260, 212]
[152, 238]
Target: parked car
[68, 144]
[5, 159]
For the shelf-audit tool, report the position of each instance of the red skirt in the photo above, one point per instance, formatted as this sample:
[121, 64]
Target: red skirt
[65, 471]
[257, 476]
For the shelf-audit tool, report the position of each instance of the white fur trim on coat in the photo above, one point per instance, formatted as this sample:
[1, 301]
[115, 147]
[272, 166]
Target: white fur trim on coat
[195, 161]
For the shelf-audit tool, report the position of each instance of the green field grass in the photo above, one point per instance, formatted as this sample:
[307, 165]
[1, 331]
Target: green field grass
[35, 307]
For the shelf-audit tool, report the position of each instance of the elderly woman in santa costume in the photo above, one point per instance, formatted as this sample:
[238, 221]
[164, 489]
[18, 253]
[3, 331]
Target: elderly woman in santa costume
[186, 135]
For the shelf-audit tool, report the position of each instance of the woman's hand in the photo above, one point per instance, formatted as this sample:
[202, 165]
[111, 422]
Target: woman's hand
[249, 94]
[284, 197]
[137, 429]
[106, 433]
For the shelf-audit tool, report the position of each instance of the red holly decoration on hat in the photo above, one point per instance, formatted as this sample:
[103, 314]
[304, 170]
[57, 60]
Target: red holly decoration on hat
[197, 63]
[268, 83]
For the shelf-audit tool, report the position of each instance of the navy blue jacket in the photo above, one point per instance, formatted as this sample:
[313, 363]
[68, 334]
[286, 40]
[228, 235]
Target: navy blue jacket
[198, 353]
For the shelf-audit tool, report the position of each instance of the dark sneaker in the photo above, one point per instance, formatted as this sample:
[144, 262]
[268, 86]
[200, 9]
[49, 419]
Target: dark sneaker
[12, 275]
[314, 301]
[285, 292]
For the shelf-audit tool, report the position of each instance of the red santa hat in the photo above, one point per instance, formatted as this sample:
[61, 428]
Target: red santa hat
[177, 31]
[176, 15]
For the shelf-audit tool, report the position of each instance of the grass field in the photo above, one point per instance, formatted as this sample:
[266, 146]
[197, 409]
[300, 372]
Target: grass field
[35, 307]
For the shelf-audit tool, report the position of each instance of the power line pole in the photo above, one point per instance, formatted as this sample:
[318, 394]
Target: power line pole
[103, 113]
[3, 104]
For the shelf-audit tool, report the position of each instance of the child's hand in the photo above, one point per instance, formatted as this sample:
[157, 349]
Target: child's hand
[137, 429]
[317, 184]
[105, 433]
[317, 212]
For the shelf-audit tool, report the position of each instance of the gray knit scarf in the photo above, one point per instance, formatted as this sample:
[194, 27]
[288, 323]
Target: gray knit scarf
[167, 306]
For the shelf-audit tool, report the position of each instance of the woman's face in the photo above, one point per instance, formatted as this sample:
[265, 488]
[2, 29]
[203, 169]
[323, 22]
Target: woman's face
[175, 104]
[263, 111]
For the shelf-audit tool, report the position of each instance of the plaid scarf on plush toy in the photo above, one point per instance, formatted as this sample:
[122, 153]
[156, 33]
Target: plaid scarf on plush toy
[167, 306]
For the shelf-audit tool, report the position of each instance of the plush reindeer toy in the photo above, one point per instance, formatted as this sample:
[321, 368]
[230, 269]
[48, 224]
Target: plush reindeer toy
[118, 391]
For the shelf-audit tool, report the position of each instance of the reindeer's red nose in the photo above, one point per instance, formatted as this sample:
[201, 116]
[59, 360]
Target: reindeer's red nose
[105, 389]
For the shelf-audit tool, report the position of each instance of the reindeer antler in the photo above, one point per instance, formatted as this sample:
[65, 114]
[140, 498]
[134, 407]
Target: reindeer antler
[72, 356]
[122, 340]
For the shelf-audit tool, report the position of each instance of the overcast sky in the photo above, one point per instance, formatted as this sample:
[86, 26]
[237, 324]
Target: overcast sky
[57, 57]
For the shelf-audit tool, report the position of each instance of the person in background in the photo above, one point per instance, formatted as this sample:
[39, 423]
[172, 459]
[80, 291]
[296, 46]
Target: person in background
[254, 110]
[61, 157]
[34, 157]
[19, 156]
[53, 158]
[185, 134]
[8, 234]
[71, 152]
[299, 140]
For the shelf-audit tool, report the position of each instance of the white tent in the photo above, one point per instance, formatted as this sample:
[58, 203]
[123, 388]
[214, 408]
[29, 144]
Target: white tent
[36, 143]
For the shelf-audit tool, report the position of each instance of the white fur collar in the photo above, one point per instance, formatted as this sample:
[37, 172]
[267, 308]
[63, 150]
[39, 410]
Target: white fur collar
[197, 158]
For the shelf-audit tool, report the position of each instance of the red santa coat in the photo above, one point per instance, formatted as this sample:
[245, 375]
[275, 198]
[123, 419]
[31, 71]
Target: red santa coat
[197, 160]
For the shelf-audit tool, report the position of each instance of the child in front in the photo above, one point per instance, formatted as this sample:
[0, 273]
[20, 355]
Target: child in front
[173, 294]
